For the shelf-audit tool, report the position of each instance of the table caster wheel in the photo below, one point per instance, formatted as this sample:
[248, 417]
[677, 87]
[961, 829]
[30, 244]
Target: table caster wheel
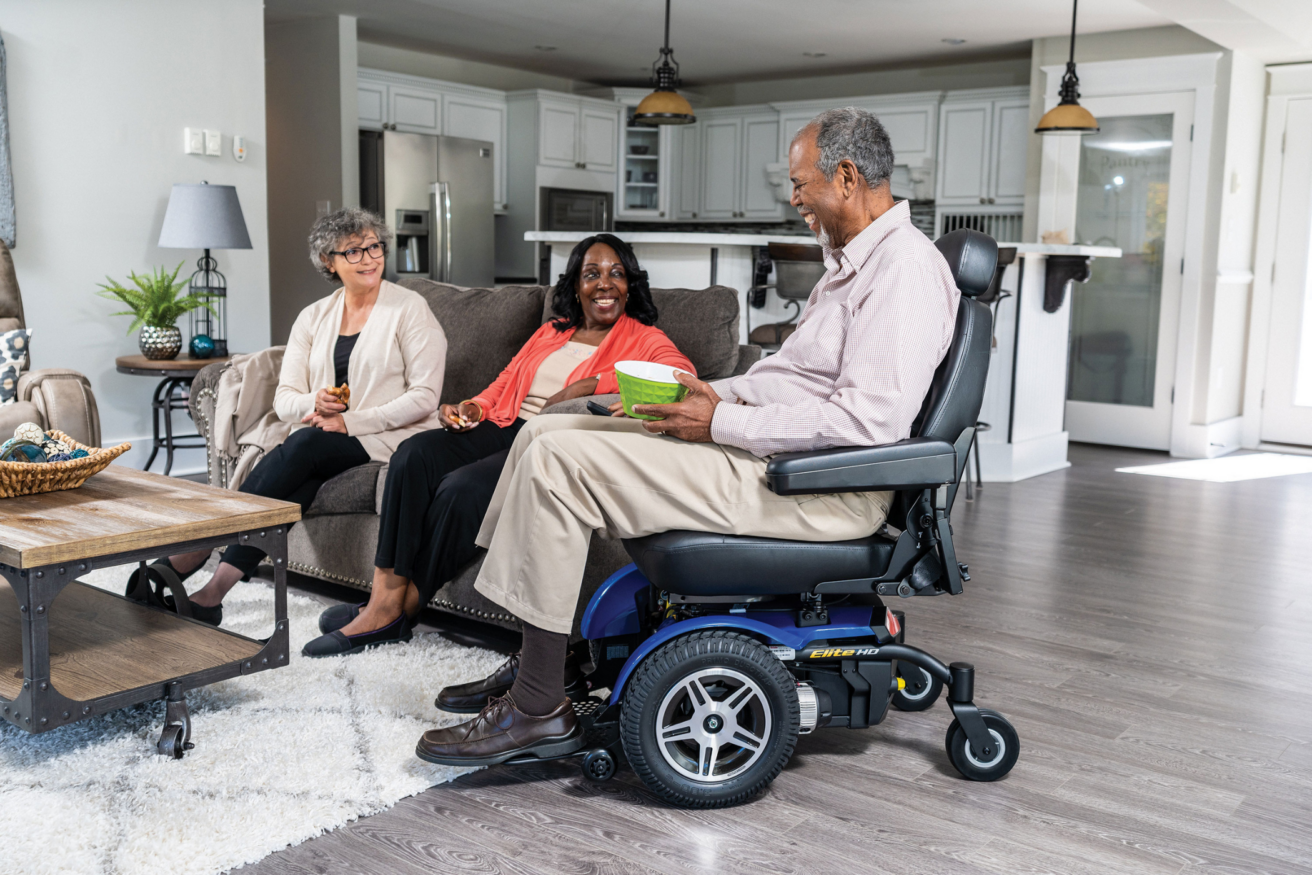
[171, 744]
[599, 765]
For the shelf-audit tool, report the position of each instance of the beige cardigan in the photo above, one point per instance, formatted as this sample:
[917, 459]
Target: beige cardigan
[395, 372]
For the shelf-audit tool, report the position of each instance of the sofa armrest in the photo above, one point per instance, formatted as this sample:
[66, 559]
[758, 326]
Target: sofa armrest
[915, 463]
[65, 401]
[580, 405]
[748, 355]
[204, 396]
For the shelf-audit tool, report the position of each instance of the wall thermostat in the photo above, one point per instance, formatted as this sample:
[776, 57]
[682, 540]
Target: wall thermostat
[239, 148]
[213, 143]
[193, 141]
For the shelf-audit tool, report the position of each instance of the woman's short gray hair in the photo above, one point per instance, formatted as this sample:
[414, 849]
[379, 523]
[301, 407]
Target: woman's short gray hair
[330, 231]
[856, 135]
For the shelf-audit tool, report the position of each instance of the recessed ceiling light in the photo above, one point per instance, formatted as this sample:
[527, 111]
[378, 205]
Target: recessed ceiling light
[814, 54]
[953, 41]
[545, 48]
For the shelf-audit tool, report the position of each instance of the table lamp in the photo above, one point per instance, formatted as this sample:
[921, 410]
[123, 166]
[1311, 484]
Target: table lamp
[206, 217]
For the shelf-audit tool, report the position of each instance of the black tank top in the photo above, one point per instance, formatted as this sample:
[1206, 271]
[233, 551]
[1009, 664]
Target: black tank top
[342, 355]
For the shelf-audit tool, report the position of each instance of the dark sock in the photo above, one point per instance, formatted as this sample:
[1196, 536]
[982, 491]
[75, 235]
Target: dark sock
[539, 686]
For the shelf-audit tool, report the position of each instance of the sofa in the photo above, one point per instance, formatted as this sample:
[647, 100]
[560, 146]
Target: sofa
[51, 397]
[484, 329]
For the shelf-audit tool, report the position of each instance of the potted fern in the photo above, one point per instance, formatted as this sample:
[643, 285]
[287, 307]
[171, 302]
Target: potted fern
[156, 303]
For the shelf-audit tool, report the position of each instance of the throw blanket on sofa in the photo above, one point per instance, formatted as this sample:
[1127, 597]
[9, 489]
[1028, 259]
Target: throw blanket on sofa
[245, 425]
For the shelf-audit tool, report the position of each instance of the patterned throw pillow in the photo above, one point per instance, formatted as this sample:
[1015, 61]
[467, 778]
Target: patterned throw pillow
[13, 347]
[8, 383]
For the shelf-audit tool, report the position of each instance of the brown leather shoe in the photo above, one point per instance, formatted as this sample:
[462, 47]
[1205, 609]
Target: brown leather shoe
[502, 732]
[474, 696]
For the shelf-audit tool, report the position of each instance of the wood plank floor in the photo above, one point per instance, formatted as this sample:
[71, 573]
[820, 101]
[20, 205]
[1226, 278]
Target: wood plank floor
[1149, 638]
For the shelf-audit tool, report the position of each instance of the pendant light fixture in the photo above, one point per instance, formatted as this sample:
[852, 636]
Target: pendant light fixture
[665, 106]
[1068, 117]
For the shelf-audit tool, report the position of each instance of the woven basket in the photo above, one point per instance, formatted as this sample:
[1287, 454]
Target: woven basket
[30, 478]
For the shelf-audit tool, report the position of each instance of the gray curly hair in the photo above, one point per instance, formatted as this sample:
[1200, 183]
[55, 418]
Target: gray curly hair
[330, 231]
[856, 135]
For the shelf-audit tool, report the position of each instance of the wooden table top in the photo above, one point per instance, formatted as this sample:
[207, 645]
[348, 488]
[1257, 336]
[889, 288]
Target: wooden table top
[131, 364]
[123, 509]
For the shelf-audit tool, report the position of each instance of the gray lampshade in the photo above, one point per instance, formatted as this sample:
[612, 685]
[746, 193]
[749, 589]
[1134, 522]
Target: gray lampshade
[204, 217]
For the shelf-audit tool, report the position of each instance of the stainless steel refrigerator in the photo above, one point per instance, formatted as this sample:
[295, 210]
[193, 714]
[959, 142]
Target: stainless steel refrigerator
[436, 192]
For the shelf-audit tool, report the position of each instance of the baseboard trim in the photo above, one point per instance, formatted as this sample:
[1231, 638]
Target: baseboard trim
[1209, 441]
[1007, 463]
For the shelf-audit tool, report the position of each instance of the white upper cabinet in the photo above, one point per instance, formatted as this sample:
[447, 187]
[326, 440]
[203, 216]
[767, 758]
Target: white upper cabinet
[983, 137]
[687, 171]
[393, 101]
[721, 167]
[558, 133]
[760, 148]
[600, 129]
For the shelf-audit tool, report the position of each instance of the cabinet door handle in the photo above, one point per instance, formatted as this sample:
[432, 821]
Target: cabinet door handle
[662, 214]
[991, 200]
[694, 215]
[983, 200]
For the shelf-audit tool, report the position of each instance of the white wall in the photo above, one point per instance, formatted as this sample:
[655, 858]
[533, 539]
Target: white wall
[99, 94]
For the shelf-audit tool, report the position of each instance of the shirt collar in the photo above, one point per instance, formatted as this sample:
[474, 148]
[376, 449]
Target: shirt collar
[860, 247]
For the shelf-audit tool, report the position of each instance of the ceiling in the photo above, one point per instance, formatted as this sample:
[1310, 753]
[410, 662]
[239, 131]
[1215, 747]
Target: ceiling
[615, 41]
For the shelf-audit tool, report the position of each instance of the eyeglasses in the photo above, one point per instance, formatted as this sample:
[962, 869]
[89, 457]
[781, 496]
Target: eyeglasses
[355, 255]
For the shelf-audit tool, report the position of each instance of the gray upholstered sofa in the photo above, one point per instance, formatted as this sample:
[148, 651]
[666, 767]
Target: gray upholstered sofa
[484, 329]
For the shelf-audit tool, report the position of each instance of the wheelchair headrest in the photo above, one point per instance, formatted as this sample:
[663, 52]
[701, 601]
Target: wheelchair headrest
[972, 257]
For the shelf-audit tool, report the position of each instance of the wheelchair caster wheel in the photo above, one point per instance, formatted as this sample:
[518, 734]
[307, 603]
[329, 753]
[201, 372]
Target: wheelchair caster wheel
[599, 765]
[987, 768]
[171, 744]
[922, 688]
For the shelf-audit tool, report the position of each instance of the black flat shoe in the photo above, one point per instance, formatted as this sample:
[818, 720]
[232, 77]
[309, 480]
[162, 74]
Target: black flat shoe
[337, 644]
[338, 616]
[161, 587]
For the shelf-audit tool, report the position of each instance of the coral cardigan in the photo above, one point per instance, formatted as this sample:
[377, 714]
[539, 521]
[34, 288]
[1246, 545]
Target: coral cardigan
[628, 340]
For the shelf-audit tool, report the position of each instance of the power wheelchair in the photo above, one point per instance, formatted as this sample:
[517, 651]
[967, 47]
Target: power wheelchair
[719, 650]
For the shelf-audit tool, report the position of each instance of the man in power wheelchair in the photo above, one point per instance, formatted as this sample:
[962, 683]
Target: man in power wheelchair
[755, 513]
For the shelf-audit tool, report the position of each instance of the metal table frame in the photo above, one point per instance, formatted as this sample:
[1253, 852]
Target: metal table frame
[40, 707]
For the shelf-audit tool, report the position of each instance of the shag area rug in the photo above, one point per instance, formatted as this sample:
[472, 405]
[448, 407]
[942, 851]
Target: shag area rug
[281, 756]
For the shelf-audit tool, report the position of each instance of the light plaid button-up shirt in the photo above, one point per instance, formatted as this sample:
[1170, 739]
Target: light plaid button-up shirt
[859, 365]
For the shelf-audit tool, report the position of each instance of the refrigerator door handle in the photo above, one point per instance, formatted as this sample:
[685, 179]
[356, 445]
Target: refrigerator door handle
[437, 231]
[445, 188]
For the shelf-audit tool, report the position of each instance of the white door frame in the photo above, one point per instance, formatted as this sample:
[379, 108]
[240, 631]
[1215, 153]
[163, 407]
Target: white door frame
[1286, 82]
[1059, 182]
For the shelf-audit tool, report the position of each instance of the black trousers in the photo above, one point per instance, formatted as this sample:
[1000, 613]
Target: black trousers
[439, 486]
[294, 471]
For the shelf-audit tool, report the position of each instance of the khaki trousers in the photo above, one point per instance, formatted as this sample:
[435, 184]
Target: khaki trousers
[568, 476]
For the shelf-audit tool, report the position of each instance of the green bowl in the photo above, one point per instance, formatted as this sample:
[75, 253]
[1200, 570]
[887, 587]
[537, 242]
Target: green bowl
[647, 383]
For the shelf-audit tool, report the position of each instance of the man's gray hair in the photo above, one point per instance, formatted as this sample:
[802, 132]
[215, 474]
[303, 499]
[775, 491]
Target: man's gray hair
[331, 231]
[856, 135]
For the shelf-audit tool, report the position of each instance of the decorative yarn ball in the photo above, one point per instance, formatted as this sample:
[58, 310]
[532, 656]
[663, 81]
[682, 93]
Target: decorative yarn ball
[78, 454]
[30, 431]
[202, 346]
[59, 457]
[53, 447]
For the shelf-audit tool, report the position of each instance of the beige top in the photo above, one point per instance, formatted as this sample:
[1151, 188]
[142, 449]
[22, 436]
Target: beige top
[552, 374]
[395, 373]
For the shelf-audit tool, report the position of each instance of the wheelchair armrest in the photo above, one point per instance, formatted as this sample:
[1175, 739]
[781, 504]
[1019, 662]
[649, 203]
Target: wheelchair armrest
[915, 463]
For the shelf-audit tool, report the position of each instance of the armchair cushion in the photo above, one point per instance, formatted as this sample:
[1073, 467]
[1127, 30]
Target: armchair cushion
[910, 464]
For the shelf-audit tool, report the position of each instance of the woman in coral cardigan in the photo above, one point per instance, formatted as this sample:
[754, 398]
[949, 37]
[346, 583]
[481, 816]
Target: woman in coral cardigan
[440, 482]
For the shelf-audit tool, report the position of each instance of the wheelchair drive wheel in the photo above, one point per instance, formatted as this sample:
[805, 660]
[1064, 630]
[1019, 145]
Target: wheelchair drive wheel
[988, 768]
[709, 719]
[922, 688]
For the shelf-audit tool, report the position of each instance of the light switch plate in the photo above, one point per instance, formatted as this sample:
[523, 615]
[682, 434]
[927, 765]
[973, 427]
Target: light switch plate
[239, 148]
[213, 143]
[193, 141]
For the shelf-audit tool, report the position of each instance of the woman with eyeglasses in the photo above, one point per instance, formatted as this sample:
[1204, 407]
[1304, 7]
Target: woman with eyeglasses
[373, 336]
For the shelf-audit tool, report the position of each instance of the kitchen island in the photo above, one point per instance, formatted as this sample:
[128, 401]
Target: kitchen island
[1025, 396]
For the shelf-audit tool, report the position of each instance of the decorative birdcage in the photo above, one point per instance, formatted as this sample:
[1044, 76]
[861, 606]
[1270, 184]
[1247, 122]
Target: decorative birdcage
[209, 284]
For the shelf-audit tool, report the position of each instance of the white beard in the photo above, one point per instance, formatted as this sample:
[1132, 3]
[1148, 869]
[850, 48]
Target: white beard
[822, 236]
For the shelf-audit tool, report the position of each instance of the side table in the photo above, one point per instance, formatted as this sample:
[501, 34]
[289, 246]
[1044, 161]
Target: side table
[172, 393]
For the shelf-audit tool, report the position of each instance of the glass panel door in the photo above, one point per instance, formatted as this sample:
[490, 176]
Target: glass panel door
[1132, 188]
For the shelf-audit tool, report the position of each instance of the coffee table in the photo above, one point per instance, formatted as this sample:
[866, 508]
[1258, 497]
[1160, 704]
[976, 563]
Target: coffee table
[69, 651]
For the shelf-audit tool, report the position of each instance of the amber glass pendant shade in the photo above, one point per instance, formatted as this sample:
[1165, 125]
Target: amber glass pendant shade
[1068, 117]
[664, 106]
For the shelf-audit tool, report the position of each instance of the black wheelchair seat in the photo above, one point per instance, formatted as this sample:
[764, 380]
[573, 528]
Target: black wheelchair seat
[705, 564]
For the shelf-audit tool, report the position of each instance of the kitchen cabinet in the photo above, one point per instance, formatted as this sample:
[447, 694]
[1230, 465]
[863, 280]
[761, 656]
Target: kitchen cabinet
[983, 138]
[393, 101]
[576, 133]
[687, 170]
[736, 145]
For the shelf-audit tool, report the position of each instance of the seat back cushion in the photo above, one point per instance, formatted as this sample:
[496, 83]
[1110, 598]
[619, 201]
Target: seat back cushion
[957, 391]
[702, 323]
[484, 329]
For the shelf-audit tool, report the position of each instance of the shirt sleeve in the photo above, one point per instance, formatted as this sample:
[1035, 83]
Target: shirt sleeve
[423, 350]
[293, 400]
[724, 388]
[894, 342]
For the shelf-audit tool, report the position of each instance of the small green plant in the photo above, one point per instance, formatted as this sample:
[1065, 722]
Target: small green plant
[155, 301]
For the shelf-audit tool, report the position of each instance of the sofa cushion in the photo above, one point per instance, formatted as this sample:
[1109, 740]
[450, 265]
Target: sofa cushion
[702, 323]
[484, 329]
[352, 491]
